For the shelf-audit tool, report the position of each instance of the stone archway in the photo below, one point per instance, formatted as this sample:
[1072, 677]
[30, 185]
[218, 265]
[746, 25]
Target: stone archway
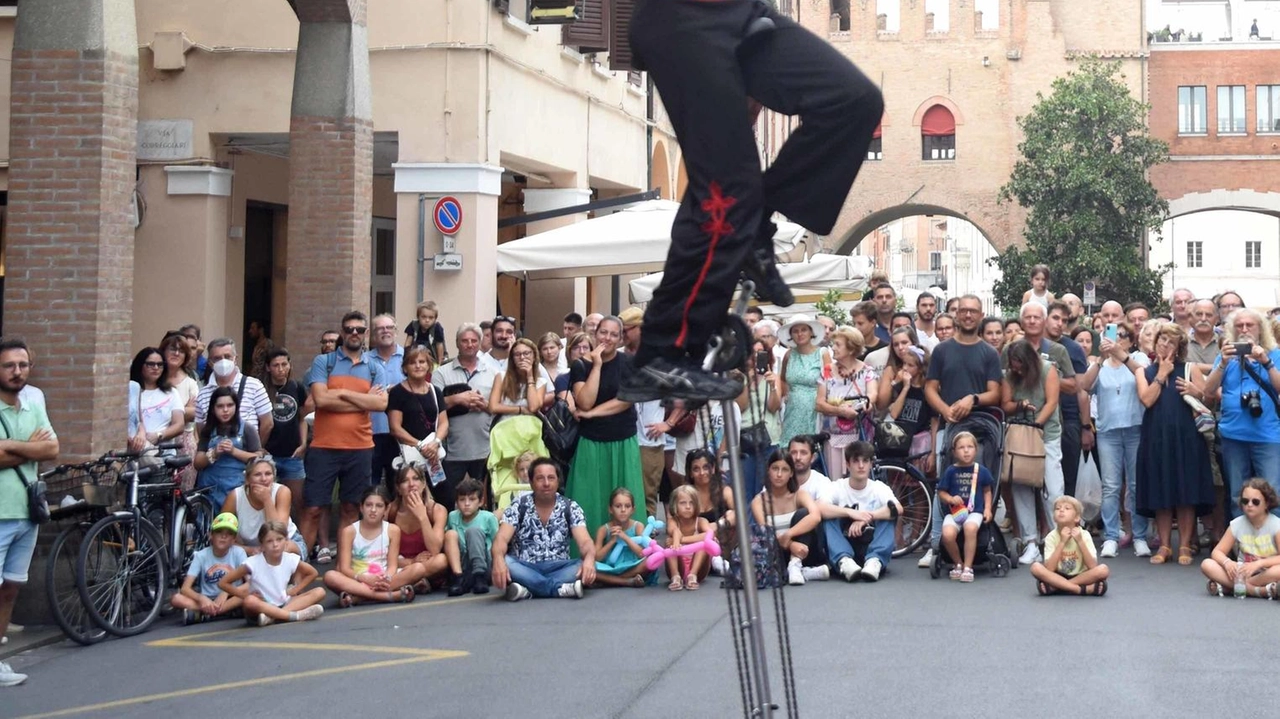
[1267, 203]
[850, 239]
[660, 171]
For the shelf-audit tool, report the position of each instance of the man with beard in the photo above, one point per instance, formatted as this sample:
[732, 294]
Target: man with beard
[1075, 309]
[28, 440]
[926, 310]
[964, 374]
[886, 300]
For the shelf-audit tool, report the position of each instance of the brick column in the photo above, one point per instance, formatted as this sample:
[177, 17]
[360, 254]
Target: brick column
[330, 170]
[69, 264]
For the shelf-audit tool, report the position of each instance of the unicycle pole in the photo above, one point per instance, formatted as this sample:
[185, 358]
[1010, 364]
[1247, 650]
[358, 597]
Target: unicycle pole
[742, 509]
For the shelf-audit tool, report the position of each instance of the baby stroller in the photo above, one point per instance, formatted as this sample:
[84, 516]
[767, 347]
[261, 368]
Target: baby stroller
[987, 425]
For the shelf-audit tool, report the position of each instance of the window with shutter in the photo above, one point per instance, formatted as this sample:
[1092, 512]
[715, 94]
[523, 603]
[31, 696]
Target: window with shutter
[591, 32]
[619, 31]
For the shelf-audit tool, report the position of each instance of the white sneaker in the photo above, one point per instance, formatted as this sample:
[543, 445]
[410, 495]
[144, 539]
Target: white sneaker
[1141, 548]
[516, 592]
[10, 678]
[1030, 555]
[926, 561]
[1109, 548]
[569, 590]
[848, 569]
[795, 574]
[265, 621]
[816, 574]
[871, 571]
[312, 612]
[719, 567]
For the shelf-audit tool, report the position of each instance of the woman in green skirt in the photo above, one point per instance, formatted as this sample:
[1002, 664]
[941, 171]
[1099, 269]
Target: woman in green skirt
[608, 455]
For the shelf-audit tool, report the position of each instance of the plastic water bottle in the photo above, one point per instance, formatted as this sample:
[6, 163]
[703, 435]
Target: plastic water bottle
[435, 467]
[1240, 588]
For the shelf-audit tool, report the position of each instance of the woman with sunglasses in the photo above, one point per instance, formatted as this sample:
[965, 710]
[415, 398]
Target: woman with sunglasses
[155, 411]
[1111, 382]
[1254, 536]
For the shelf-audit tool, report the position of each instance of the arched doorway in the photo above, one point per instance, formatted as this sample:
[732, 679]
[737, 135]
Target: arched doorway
[660, 171]
[926, 246]
[1222, 240]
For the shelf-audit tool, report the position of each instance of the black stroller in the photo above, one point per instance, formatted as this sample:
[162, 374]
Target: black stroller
[987, 425]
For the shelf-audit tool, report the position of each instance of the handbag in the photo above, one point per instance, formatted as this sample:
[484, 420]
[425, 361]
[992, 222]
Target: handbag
[1205, 422]
[892, 440]
[754, 439]
[37, 503]
[1023, 462]
[685, 427]
[560, 431]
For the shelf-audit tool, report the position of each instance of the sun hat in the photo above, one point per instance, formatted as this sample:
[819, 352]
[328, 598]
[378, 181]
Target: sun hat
[632, 317]
[784, 334]
[226, 521]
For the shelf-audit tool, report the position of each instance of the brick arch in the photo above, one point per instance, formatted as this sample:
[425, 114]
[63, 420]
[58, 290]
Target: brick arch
[918, 117]
[862, 228]
[682, 180]
[1248, 200]
[660, 172]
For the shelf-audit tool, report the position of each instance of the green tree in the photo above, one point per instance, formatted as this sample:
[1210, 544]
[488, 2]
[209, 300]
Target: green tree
[829, 306]
[1083, 179]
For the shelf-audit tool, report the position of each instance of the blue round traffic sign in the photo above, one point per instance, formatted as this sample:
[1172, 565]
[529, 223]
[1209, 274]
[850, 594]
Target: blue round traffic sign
[448, 215]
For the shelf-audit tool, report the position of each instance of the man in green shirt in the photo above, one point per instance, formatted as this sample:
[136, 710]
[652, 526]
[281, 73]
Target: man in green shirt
[26, 438]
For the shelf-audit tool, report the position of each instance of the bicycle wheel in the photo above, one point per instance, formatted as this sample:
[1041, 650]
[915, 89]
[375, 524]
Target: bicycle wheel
[190, 534]
[913, 494]
[123, 571]
[60, 587]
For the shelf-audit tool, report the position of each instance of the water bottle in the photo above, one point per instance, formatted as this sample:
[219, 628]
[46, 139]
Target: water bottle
[435, 468]
[1240, 587]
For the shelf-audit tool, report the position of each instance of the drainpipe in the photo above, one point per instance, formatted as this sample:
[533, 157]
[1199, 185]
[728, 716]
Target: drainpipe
[422, 245]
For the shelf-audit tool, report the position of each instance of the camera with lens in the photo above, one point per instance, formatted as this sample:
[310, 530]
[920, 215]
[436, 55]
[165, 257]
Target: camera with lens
[1251, 402]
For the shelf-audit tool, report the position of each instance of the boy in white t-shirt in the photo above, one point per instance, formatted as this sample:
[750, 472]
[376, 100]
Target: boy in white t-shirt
[858, 518]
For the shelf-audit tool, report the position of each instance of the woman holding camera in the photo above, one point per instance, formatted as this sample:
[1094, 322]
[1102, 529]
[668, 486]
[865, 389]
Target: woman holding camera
[1248, 371]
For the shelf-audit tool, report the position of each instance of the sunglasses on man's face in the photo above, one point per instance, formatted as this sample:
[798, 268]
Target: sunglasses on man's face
[1250, 501]
[355, 330]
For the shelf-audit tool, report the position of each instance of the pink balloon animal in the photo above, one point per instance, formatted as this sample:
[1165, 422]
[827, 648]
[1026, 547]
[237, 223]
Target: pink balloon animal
[655, 554]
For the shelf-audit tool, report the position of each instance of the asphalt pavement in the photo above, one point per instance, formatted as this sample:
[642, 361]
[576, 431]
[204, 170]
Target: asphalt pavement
[1155, 645]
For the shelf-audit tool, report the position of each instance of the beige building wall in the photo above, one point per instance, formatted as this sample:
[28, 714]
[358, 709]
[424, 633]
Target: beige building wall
[454, 83]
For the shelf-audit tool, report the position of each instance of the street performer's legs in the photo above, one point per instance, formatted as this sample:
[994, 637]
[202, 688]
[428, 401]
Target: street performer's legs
[704, 73]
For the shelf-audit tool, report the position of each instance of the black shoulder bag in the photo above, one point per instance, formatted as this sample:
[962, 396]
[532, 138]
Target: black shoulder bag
[37, 504]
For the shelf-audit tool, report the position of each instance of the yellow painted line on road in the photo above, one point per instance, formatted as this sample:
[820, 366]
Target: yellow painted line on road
[182, 693]
[204, 640]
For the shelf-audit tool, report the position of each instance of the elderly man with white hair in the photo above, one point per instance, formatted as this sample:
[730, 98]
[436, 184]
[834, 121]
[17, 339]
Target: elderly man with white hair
[766, 331]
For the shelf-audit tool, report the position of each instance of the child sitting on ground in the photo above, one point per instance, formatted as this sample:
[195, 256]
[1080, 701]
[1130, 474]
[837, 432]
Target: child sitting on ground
[277, 587]
[368, 557]
[965, 491]
[468, 540]
[1071, 565]
[628, 570]
[208, 567]
[1254, 536]
[686, 527]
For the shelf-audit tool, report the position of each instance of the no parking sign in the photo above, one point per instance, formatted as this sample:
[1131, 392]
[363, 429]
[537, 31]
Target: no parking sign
[448, 215]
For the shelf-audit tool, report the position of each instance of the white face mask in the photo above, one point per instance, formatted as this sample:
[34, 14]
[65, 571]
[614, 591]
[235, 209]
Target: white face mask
[224, 367]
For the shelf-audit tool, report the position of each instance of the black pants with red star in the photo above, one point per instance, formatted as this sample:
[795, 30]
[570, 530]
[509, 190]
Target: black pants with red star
[691, 49]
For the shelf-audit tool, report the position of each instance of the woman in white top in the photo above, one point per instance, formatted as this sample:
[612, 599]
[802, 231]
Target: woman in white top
[259, 500]
[177, 355]
[549, 354]
[154, 412]
[521, 389]
[794, 518]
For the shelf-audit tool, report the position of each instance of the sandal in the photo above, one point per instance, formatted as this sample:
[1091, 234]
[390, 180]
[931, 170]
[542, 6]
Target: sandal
[1162, 555]
[1215, 589]
[955, 572]
[1097, 589]
[421, 586]
[967, 575]
[637, 581]
[405, 595]
[1045, 590]
[345, 600]
[1186, 555]
[691, 582]
[675, 585]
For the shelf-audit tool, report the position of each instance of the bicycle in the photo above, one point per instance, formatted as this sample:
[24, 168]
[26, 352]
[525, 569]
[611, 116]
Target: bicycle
[125, 562]
[95, 480]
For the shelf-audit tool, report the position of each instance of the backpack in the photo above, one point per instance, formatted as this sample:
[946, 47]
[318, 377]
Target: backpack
[560, 431]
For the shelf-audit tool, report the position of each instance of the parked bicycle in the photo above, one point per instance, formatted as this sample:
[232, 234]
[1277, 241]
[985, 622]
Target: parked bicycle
[126, 562]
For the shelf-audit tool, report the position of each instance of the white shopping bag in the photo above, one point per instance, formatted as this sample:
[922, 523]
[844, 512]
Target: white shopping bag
[1089, 487]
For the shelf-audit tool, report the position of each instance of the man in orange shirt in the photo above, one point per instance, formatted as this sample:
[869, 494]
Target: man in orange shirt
[345, 389]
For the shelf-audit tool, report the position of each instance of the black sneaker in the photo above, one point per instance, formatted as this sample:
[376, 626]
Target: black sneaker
[761, 267]
[461, 585]
[662, 377]
[480, 583]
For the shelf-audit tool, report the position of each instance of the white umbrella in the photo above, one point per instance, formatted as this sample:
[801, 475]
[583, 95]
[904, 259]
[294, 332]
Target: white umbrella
[631, 241]
[820, 273]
